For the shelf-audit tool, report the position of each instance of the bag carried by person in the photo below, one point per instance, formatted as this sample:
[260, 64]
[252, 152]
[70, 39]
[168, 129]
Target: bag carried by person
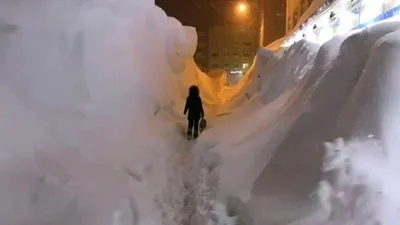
[203, 124]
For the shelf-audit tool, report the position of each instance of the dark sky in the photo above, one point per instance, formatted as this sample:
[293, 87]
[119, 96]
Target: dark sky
[203, 13]
[189, 12]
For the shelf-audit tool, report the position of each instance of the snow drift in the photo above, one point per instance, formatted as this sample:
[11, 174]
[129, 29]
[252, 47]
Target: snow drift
[81, 86]
[90, 93]
[287, 175]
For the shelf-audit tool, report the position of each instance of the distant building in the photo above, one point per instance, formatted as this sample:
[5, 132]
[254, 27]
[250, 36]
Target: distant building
[232, 48]
[234, 39]
[274, 20]
[227, 40]
[201, 57]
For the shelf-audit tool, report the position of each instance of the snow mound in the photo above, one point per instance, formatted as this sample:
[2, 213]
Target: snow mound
[274, 158]
[82, 84]
[371, 113]
[290, 69]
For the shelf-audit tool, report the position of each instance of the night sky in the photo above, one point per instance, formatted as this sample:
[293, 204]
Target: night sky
[189, 12]
[203, 14]
[198, 12]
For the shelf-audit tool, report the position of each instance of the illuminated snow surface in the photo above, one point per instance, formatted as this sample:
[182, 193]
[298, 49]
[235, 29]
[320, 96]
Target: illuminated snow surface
[91, 97]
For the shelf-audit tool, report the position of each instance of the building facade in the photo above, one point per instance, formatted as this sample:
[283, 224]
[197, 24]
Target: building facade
[201, 56]
[332, 17]
[234, 38]
[232, 49]
[227, 39]
[274, 20]
[294, 10]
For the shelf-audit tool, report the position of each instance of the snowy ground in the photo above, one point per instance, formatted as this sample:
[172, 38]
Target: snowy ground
[91, 96]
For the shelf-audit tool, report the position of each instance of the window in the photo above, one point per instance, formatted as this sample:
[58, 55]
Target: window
[199, 54]
[246, 54]
[214, 66]
[215, 55]
[235, 54]
[248, 44]
[245, 65]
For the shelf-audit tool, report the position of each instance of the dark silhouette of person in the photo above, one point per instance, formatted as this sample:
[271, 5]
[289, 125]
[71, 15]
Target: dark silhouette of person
[194, 111]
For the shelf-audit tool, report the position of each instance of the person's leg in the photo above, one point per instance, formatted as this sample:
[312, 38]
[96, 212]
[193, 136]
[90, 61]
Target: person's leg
[196, 128]
[190, 127]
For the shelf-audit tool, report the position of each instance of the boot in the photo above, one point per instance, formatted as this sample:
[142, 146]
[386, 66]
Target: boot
[189, 135]
[196, 134]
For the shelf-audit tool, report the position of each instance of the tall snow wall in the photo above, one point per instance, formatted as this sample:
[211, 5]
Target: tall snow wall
[317, 146]
[82, 85]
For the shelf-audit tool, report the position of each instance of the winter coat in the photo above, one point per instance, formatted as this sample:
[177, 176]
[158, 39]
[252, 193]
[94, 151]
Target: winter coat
[194, 108]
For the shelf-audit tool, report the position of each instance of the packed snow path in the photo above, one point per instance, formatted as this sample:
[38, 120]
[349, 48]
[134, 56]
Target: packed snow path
[192, 187]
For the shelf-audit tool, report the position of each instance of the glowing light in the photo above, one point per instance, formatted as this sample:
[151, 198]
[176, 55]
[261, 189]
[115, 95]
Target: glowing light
[236, 72]
[242, 7]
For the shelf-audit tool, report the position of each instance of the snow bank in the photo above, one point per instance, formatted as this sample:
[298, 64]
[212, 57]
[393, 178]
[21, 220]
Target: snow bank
[90, 94]
[371, 113]
[81, 85]
[271, 159]
[289, 70]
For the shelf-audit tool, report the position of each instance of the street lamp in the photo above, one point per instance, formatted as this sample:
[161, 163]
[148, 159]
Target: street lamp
[242, 8]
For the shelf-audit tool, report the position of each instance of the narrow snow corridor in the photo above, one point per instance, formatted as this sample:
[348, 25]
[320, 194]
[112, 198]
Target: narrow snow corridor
[92, 125]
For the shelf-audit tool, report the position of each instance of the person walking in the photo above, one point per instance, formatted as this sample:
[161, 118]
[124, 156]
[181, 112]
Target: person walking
[194, 110]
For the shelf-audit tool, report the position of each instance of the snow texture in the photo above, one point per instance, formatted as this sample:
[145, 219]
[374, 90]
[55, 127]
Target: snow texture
[91, 97]
[346, 94]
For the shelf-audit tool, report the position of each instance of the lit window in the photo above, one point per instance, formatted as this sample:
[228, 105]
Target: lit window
[245, 65]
